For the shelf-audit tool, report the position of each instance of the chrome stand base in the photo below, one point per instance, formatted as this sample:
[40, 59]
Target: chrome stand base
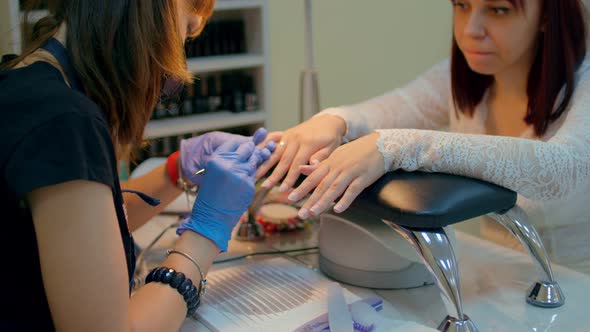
[451, 324]
[545, 294]
[249, 231]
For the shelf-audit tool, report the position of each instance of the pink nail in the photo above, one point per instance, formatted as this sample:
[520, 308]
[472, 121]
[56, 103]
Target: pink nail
[303, 214]
[283, 188]
[293, 197]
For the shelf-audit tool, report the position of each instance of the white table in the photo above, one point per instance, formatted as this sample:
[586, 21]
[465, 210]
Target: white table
[493, 283]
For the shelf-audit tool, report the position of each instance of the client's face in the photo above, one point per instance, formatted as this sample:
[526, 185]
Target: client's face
[495, 36]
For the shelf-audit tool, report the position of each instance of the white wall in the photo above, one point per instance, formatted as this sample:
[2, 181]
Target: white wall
[363, 48]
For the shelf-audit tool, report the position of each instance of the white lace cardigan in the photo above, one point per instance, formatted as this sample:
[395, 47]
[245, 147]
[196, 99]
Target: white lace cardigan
[551, 174]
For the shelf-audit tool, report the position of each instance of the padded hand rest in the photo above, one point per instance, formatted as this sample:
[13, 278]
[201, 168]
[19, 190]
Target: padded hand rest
[432, 200]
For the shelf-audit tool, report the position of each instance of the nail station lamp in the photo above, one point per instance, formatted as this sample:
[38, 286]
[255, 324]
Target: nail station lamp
[309, 91]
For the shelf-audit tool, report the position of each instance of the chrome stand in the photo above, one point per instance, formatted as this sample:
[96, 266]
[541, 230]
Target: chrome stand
[437, 252]
[545, 292]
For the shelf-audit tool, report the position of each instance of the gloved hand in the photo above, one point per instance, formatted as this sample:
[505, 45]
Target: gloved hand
[226, 192]
[195, 151]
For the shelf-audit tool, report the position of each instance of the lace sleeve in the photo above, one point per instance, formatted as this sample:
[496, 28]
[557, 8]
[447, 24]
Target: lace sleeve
[423, 103]
[538, 170]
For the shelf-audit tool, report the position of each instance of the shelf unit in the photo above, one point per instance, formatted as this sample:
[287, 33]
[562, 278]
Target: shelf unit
[254, 14]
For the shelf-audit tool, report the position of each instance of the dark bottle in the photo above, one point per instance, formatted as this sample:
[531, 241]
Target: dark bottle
[224, 38]
[227, 95]
[160, 111]
[173, 106]
[214, 39]
[188, 99]
[165, 147]
[203, 42]
[238, 31]
[238, 93]
[201, 103]
[213, 93]
[251, 102]
[154, 147]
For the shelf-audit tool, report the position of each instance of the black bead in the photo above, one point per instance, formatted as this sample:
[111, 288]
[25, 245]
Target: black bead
[191, 309]
[150, 276]
[193, 302]
[158, 274]
[190, 313]
[168, 274]
[177, 279]
[185, 286]
[187, 296]
[180, 282]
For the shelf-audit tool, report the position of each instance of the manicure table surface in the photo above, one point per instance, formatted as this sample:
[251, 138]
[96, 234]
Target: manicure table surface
[494, 281]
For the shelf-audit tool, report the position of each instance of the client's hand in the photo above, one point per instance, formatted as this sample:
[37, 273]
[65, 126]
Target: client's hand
[349, 170]
[308, 143]
[226, 192]
[195, 151]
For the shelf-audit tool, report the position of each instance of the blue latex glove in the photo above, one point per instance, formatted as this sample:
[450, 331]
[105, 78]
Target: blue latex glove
[195, 151]
[226, 192]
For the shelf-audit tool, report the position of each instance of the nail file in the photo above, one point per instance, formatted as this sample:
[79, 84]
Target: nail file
[339, 316]
[320, 323]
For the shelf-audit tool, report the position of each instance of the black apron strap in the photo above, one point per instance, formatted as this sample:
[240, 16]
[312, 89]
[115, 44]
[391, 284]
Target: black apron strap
[56, 49]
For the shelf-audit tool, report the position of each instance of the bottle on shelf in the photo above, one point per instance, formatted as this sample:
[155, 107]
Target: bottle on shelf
[173, 107]
[250, 95]
[214, 40]
[188, 98]
[238, 32]
[200, 101]
[227, 96]
[220, 37]
[238, 92]
[160, 111]
[213, 94]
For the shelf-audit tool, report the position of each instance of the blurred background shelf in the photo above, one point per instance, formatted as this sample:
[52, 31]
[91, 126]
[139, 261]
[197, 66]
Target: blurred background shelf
[224, 62]
[202, 122]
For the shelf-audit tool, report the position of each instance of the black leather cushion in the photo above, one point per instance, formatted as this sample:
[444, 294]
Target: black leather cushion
[432, 200]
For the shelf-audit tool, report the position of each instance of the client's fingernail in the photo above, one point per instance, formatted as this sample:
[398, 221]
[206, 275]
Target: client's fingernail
[315, 162]
[338, 208]
[303, 214]
[266, 184]
[315, 210]
[283, 188]
[293, 196]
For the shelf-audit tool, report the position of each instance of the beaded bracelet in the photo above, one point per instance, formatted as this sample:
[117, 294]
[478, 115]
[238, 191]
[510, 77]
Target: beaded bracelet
[178, 281]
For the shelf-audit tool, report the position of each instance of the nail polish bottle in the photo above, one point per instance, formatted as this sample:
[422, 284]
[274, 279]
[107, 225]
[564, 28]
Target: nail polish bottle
[250, 96]
[154, 147]
[188, 99]
[240, 36]
[173, 107]
[227, 96]
[160, 111]
[201, 102]
[238, 93]
[224, 38]
[214, 38]
[204, 42]
[213, 93]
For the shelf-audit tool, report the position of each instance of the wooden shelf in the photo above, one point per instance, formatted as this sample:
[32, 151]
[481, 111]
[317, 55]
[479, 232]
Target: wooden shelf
[201, 122]
[224, 62]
